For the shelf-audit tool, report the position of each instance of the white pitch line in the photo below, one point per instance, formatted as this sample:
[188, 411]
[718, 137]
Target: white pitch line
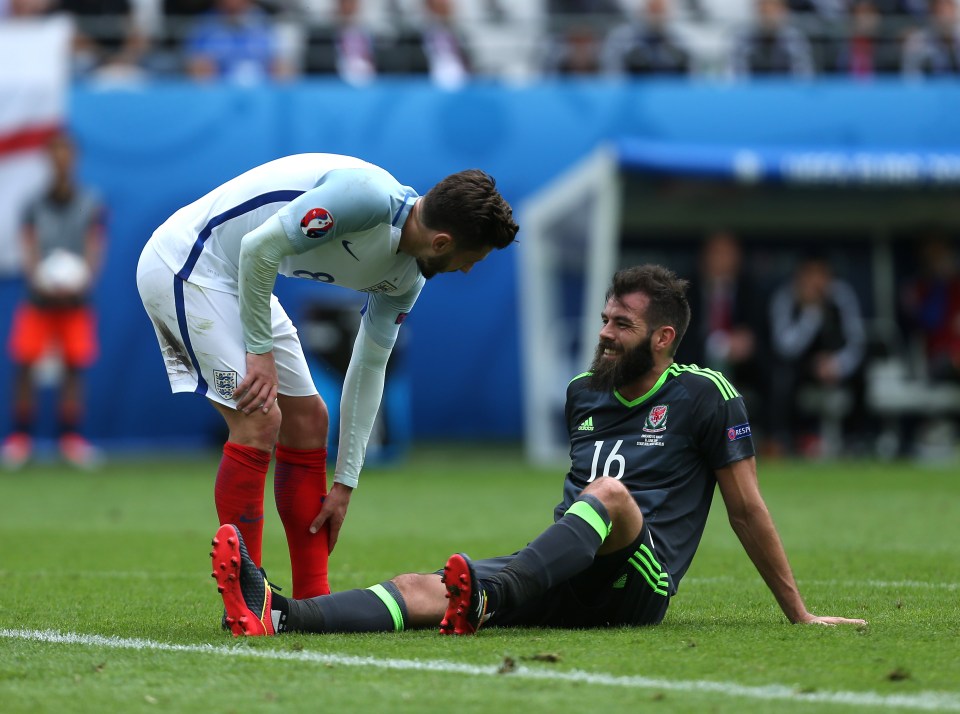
[925, 701]
[885, 584]
[692, 580]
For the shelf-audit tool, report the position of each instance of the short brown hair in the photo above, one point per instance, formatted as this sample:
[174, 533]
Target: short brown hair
[667, 293]
[468, 206]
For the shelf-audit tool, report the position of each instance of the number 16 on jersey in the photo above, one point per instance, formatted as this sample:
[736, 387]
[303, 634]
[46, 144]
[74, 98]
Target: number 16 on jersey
[612, 458]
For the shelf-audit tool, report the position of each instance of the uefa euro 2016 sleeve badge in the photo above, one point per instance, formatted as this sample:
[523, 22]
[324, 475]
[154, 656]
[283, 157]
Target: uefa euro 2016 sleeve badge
[316, 223]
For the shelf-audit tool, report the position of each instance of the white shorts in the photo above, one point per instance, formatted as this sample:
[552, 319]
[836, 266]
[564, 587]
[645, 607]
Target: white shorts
[200, 333]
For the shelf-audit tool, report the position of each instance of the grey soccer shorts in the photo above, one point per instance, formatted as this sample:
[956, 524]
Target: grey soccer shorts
[627, 587]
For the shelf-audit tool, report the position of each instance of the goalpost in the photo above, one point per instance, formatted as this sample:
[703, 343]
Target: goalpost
[568, 252]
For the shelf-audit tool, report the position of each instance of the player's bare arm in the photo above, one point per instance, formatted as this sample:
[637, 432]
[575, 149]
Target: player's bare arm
[751, 521]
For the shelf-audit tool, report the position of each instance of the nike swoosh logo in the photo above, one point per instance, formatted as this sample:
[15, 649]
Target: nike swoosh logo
[244, 519]
[346, 245]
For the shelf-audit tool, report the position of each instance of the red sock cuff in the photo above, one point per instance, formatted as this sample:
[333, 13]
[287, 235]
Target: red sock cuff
[302, 457]
[248, 455]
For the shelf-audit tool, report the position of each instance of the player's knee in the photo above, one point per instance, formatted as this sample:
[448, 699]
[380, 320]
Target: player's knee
[420, 588]
[263, 429]
[304, 419]
[611, 492]
[407, 582]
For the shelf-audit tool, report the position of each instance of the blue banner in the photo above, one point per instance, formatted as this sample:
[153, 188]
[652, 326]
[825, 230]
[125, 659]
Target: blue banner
[151, 150]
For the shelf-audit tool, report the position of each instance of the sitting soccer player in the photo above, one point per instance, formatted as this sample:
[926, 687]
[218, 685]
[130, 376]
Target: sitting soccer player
[649, 441]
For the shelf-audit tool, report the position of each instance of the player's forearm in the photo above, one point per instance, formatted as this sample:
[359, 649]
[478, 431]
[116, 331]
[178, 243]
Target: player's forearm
[760, 540]
[359, 403]
[260, 254]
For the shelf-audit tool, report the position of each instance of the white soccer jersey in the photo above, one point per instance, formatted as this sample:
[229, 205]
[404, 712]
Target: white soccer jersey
[341, 215]
[322, 217]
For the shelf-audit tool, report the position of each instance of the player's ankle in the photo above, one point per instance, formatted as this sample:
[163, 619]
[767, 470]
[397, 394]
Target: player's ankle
[280, 611]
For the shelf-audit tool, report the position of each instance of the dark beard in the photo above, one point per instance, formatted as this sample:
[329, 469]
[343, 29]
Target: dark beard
[624, 369]
[429, 267]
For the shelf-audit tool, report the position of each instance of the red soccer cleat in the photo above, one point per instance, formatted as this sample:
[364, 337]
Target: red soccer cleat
[245, 591]
[467, 609]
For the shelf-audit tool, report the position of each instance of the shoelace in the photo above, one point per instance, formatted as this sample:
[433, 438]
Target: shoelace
[273, 588]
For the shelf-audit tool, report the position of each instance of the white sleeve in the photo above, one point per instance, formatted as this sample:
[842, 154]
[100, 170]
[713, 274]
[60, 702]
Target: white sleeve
[359, 403]
[261, 251]
[793, 333]
[363, 383]
[850, 357]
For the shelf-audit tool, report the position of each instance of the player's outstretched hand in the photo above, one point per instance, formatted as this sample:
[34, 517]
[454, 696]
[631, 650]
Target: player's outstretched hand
[258, 390]
[334, 512]
[830, 621]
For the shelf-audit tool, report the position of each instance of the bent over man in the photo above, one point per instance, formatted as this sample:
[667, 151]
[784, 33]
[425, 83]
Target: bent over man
[649, 442]
[206, 278]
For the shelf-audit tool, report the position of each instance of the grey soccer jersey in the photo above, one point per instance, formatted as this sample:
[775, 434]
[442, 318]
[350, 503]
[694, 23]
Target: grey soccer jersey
[664, 446]
[64, 225]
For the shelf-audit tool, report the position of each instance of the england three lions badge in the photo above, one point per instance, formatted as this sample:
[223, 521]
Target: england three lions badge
[224, 382]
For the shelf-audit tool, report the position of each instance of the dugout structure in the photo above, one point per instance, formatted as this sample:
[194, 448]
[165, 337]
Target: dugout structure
[634, 201]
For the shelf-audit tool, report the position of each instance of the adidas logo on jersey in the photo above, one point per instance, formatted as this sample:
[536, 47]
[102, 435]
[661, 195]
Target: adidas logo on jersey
[587, 425]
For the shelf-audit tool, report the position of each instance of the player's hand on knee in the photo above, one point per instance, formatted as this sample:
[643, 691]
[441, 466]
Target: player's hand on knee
[258, 390]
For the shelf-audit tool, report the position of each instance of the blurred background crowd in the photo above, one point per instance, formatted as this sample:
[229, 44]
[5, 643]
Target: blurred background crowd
[452, 40]
[802, 352]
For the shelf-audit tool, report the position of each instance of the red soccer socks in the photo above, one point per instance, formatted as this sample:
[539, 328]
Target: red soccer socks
[299, 486]
[239, 493]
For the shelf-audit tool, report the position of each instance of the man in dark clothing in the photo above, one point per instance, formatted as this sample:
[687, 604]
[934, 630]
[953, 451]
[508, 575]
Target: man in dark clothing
[819, 342]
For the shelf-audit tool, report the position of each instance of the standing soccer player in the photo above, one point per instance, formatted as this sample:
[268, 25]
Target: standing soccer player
[650, 441]
[64, 233]
[206, 278]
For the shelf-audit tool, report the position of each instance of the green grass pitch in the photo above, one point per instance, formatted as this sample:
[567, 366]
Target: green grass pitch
[107, 605]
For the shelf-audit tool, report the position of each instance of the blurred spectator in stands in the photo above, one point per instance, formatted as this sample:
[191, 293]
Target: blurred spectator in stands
[725, 13]
[823, 9]
[107, 40]
[236, 41]
[819, 343]
[646, 45]
[344, 47]
[728, 325]
[565, 9]
[934, 50]
[403, 51]
[574, 52]
[773, 46]
[24, 8]
[576, 29]
[931, 306]
[447, 54]
[821, 22]
[63, 236]
[915, 8]
[865, 48]
[179, 18]
[431, 44]
[838, 10]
